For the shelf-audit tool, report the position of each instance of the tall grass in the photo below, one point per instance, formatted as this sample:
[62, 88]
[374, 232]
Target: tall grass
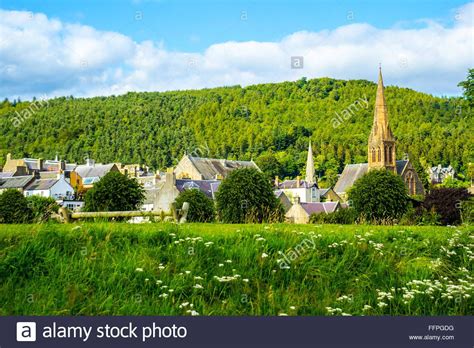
[217, 269]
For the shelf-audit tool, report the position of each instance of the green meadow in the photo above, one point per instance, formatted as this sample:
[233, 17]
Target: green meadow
[216, 269]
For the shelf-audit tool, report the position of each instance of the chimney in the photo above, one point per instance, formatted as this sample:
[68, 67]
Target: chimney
[298, 178]
[89, 162]
[62, 165]
[9, 157]
[39, 163]
[277, 181]
[170, 177]
[297, 200]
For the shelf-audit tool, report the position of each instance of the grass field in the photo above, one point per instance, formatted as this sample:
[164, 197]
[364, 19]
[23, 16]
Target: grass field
[213, 269]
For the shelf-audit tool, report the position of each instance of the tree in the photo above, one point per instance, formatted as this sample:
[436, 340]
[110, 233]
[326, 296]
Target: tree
[42, 207]
[468, 87]
[269, 165]
[201, 207]
[447, 202]
[450, 182]
[114, 192]
[379, 196]
[246, 195]
[14, 207]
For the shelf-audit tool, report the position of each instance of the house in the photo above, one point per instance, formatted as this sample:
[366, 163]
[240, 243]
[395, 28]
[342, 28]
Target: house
[167, 194]
[73, 205]
[15, 166]
[30, 166]
[300, 212]
[16, 182]
[208, 187]
[306, 190]
[438, 174]
[171, 187]
[86, 175]
[58, 189]
[132, 170]
[283, 198]
[198, 168]
[381, 153]
[329, 195]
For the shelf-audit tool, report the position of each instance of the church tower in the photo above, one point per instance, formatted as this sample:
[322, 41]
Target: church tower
[310, 177]
[381, 147]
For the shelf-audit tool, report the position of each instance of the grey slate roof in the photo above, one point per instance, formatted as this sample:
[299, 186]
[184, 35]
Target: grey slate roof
[41, 184]
[349, 175]
[94, 171]
[278, 193]
[324, 192]
[71, 166]
[320, 207]
[6, 175]
[31, 163]
[290, 184]
[352, 172]
[49, 175]
[15, 182]
[211, 167]
[400, 166]
[208, 187]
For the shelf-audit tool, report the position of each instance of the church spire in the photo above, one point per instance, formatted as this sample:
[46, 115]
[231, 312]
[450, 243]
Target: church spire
[310, 178]
[381, 149]
[380, 112]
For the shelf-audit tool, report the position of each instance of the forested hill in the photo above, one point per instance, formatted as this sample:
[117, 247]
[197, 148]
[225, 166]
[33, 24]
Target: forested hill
[270, 123]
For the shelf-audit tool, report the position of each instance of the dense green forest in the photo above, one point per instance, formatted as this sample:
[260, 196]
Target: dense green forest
[269, 123]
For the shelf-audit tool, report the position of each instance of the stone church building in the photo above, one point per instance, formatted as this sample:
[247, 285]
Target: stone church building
[381, 153]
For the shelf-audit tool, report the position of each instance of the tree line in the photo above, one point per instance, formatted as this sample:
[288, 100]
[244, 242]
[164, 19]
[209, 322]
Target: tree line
[269, 123]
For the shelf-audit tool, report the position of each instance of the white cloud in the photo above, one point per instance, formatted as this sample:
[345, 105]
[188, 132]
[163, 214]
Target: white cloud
[44, 56]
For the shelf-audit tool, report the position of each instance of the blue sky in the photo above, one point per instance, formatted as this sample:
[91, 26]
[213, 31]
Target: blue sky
[92, 47]
[194, 25]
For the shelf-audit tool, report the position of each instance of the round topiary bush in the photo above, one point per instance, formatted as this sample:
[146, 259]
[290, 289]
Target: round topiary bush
[14, 207]
[379, 196]
[114, 192]
[201, 207]
[246, 195]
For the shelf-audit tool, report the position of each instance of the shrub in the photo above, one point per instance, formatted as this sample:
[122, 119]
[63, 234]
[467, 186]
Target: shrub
[345, 216]
[467, 211]
[41, 207]
[201, 207]
[14, 207]
[379, 196]
[420, 216]
[447, 203]
[114, 192]
[247, 196]
[453, 183]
